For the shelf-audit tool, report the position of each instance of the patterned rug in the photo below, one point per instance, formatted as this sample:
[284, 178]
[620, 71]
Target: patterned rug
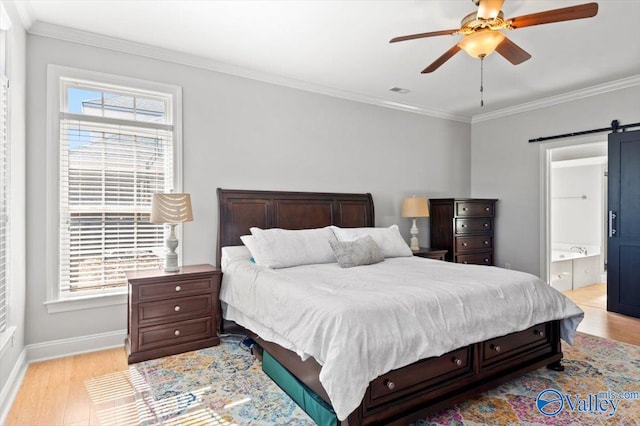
[225, 385]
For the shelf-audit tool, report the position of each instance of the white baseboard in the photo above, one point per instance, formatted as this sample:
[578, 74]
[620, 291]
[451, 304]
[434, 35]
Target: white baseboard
[11, 387]
[75, 345]
[50, 350]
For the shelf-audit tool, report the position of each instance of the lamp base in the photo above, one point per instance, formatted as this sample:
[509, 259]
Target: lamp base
[171, 261]
[415, 246]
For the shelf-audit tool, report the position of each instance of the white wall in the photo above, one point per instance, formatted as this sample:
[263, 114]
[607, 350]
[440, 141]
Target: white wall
[245, 134]
[504, 165]
[576, 220]
[9, 359]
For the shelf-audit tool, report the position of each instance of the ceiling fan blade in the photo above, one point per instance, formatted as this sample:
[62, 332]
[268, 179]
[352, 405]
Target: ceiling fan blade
[442, 59]
[423, 35]
[512, 52]
[586, 10]
[489, 9]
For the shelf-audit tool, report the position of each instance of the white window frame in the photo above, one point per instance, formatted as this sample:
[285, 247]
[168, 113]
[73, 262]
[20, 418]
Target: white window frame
[56, 75]
[6, 328]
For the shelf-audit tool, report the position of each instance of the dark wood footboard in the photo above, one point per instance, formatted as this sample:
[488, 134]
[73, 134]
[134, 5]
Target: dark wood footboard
[412, 392]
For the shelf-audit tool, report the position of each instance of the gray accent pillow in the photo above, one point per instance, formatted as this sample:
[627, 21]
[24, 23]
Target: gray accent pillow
[363, 251]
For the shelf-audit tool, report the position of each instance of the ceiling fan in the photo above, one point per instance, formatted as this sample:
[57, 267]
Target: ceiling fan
[482, 31]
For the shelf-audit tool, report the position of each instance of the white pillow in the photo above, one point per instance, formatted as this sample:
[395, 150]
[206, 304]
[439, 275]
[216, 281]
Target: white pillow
[283, 248]
[233, 252]
[388, 239]
[247, 240]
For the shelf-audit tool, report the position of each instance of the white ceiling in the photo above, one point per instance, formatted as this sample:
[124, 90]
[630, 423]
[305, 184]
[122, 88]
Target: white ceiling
[343, 46]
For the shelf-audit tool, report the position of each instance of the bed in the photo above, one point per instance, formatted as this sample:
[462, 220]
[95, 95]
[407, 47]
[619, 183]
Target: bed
[397, 395]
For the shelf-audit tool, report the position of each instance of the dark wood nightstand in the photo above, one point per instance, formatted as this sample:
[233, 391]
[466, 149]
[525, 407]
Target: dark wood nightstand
[172, 312]
[430, 253]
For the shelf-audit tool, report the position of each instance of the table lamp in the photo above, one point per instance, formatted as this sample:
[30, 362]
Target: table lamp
[171, 209]
[415, 207]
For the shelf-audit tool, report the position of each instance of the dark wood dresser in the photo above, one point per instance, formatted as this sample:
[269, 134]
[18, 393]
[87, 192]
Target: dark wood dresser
[464, 227]
[172, 312]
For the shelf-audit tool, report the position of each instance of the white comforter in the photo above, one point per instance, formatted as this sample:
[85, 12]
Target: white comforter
[361, 322]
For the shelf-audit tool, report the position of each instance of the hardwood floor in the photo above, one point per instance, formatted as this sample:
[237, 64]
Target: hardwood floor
[80, 390]
[597, 321]
[92, 389]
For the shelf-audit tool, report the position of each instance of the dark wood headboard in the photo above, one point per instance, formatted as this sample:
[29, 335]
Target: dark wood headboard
[239, 210]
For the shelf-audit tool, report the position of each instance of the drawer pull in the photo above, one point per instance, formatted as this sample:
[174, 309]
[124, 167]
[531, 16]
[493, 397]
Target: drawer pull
[486, 225]
[538, 333]
[177, 308]
[463, 226]
[456, 361]
[486, 243]
[487, 209]
[389, 384]
[464, 244]
[176, 333]
[178, 288]
[496, 348]
[465, 262]
[486, 260]
[464, 209]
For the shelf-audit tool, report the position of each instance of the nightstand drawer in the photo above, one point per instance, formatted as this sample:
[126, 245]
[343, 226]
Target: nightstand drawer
[174, 333]
[480, 242]
[476, 259]
[174, 310]
[474, 208]
[176, 288]
[469, 226]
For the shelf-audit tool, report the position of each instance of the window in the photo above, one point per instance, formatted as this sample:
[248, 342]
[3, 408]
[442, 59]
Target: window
[4, 171]
[117, 142]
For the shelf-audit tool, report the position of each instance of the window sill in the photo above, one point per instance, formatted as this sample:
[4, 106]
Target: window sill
[86, 302]
[6, 337]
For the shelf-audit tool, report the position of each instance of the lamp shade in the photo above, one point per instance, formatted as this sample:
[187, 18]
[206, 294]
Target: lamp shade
[481, 43]
[415, 207]
[171, 208]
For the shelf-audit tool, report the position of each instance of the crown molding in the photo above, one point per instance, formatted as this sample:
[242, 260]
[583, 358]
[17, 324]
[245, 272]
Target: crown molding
[24, 12]
[97, 40]
[560, 99]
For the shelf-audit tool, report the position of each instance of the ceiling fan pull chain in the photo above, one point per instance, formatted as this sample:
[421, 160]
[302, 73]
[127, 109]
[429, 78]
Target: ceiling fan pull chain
[481, 81]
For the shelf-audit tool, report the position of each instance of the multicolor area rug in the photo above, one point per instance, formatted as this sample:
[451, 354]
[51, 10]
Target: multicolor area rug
[225, 385]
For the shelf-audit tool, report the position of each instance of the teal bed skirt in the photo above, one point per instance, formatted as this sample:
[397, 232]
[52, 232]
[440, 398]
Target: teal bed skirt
[312, 404]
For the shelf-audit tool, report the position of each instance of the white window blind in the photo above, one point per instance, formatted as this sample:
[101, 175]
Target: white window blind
[4, 192]
[116, 150]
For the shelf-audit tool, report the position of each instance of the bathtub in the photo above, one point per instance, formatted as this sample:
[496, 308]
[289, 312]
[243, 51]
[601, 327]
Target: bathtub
[561, 254]
[571, 269]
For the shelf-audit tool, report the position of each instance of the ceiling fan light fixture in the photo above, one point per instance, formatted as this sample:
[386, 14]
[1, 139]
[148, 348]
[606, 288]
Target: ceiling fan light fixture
[481, 43]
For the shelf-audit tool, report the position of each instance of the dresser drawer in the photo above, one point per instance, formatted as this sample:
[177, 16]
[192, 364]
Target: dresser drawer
[474, 208]
[507, 345]
[422, 373]
[470, 226]
[174, 310]
[174, 333]
[476, 258]
[475, 243]
[170, 289]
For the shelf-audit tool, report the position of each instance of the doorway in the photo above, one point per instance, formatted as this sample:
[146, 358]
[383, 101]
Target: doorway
[575, 200]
